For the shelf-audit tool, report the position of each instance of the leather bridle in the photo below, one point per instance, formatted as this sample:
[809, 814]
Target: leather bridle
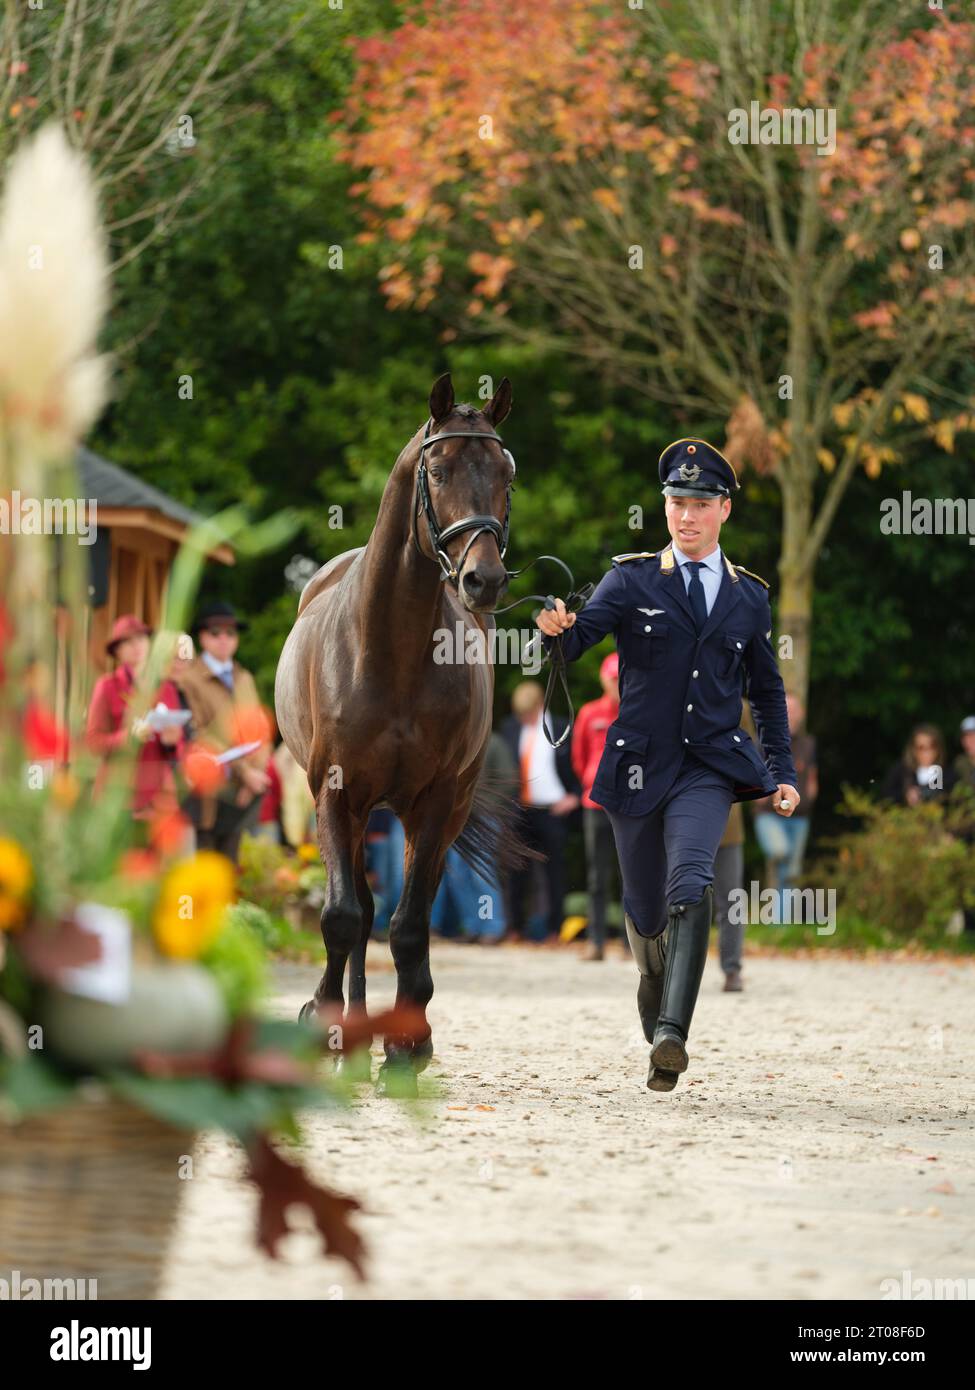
[575, 599]
[478, 524]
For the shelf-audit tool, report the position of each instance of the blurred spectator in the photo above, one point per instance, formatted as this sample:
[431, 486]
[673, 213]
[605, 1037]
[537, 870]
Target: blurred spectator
[588, 741]
[920, 775]
[783, 838]
[467, 904]
[467, 901]
[548, 793]
[500, 769]
[964, 765]
[226, 713]
[385, 847]
[729, 871]
[183, 655]
[297, 803]
[964, 771]
[269, 821]
[110, 725]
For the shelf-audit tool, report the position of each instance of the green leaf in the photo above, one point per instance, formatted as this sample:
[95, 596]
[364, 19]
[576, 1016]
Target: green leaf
[205, 1103]
[30, 1084]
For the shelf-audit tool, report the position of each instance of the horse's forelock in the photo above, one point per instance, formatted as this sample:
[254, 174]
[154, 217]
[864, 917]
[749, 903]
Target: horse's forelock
[409, 454]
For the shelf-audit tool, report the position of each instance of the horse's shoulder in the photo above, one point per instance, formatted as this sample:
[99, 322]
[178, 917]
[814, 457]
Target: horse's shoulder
[330, 573]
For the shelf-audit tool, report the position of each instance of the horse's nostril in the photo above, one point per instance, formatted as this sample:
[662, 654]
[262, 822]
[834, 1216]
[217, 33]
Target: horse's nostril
[473, 583]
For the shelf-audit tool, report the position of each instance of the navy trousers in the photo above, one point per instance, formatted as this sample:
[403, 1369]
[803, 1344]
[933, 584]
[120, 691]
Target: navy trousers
[668, 855]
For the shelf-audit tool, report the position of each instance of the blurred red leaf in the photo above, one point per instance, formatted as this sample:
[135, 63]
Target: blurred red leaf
[404, 1023]
[235, 1061]
[282, 1185]
[48, 948]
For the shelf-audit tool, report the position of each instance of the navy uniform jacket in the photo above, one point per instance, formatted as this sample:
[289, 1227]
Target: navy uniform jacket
[680, 691]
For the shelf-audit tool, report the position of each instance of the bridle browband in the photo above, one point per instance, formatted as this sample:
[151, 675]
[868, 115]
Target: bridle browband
[478, 524]
[575, 599]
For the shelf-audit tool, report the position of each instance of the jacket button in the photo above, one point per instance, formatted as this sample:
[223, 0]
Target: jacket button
[619, 743]
[738, 645]
[689, 708]
[648, 627]
[687, 740]
[736, 738]
[695, 674]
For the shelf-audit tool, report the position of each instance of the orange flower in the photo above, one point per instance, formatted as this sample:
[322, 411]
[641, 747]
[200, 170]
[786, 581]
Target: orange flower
[167, 832]
[252, 724]
[139, 864]
[203, 772]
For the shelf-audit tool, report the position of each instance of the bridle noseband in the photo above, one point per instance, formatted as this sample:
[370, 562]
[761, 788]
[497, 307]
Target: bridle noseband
[478, 524]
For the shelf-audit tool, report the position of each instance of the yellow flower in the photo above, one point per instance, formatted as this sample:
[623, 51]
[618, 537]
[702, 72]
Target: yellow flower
[16, 881]
[195, 894]
[308, 854]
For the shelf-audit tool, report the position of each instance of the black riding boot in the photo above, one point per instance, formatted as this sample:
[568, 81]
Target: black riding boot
[649, 954]
[688, 932]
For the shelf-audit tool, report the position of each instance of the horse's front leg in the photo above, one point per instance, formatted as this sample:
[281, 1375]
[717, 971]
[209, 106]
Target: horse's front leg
[357, 1065]
[339, 837]
[430, 828]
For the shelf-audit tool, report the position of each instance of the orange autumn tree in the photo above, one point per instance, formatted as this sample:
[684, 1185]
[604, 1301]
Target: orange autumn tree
[577, 156]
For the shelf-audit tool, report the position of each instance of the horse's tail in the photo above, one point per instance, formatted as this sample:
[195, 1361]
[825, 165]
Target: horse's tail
[490, 842]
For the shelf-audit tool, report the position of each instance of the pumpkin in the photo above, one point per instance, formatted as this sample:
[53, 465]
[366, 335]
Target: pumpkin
[172, 1007]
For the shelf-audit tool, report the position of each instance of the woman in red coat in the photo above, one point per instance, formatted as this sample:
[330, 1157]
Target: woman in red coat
[110, 725]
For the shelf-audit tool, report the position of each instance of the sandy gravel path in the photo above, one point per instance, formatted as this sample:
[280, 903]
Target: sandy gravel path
[821, 1142]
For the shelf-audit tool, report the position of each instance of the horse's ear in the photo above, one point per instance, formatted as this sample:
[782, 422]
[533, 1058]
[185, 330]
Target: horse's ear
[499, 405]
[441, 398]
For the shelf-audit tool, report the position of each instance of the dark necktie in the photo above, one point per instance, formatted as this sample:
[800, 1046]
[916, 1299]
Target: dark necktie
[695, 592]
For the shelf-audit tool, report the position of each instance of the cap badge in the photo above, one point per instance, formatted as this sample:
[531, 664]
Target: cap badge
[689, 472]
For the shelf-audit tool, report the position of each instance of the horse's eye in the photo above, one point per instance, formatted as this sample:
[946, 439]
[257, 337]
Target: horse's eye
[437, 475]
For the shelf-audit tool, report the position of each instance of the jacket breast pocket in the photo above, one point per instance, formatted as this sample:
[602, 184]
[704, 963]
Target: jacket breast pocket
[622, 767]
[732, 652]
[648, 642]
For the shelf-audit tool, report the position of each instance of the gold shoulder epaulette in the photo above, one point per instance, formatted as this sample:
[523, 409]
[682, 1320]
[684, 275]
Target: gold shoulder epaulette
[635, 555]
[741, 569]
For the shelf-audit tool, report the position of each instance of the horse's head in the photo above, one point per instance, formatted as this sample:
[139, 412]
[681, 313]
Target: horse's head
[463, 485]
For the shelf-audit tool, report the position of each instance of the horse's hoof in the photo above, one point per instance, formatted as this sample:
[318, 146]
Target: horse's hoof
[397, 1080]
[308, 1012]
[421, 1054]
[354, 1067]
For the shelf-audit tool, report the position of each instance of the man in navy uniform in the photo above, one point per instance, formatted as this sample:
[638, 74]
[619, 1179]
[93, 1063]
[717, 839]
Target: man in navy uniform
[694, 636]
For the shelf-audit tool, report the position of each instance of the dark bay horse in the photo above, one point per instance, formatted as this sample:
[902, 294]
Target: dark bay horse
[375, 720]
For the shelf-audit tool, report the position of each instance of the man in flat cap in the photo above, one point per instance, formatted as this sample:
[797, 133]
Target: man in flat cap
[693, 633]
[226, 714]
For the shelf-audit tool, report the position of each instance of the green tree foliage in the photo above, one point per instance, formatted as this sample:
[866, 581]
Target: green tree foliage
[305, 388]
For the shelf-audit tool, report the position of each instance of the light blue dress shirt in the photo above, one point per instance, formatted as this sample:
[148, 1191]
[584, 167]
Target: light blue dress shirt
[223, 669]
[710, 573]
